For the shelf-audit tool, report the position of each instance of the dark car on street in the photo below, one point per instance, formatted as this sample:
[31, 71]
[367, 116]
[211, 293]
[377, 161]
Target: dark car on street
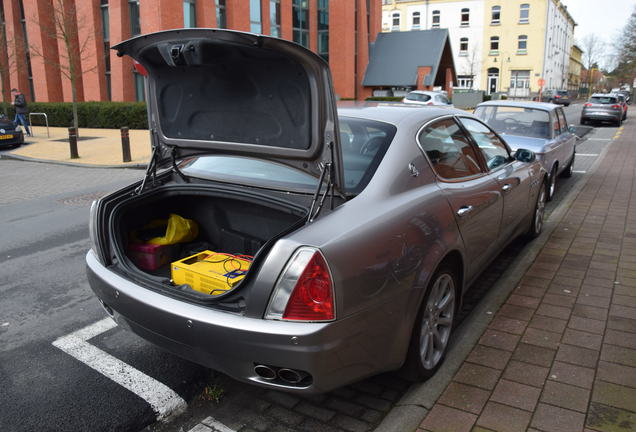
[10, 134]
[559, 97]
[355, 232]
[603, 107]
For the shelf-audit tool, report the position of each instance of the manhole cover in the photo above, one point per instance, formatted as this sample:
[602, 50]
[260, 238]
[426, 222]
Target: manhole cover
[81, 138]
[82, 199]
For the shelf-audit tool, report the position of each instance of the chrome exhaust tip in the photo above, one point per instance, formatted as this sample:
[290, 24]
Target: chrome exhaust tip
[290, 376]
[265, 372]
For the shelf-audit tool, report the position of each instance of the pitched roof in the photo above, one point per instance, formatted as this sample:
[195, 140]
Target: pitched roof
[395, 57]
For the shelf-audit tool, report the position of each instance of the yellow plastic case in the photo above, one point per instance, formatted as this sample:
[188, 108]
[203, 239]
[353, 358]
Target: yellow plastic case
[209, 272]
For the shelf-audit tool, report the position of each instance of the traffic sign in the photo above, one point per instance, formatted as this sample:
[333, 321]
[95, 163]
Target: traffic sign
[541, 82]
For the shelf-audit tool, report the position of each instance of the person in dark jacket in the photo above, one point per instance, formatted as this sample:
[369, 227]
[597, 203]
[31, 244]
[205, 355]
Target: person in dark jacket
[21, 109]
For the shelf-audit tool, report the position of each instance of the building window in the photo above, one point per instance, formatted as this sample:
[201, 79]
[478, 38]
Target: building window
[436, 19]
[274, 18]
[494, 43]
[524, 13]
[106, 36]
[300, 24]
[323, 29]
[495, 17]
[133, 13]
[522, 43]
[465, 17]
[140, 94]
[465, 81]
[520, 79]
[416, 20]
[189, 14]
[463, 46]
[221, 14]
[396, 21]
[255, 17]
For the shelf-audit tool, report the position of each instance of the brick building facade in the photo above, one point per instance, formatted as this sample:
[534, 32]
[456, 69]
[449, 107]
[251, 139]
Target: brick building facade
[338, 30]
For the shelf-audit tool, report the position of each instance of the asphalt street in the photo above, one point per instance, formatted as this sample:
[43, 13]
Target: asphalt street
[45, 296]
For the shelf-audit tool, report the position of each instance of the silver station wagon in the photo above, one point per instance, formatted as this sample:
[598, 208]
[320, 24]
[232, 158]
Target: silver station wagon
[536, 126]
[311, 247]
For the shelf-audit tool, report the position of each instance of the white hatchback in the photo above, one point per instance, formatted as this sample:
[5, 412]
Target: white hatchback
[424, 97]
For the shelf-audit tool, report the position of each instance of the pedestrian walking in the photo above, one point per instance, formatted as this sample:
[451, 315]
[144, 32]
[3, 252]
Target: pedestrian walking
[21, 109]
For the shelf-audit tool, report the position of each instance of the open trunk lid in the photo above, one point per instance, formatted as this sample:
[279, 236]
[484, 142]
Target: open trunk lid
[228, 92]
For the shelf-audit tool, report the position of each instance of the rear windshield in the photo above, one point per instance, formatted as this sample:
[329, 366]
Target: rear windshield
[510, 120]
[603, 99]
[562, 93]
[363, 143]
[419, 97]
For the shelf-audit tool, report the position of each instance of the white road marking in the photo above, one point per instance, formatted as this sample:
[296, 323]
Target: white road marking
[579, 172]
[214, 424]
[163, 400]
[587, 154]
[599, 139]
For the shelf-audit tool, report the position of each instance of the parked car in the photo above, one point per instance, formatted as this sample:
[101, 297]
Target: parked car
[540, 127]
[603, 107]
[623, 103]
[362, 227]
[627, 95]
[11, 134]
[425, 97]
[560, 97]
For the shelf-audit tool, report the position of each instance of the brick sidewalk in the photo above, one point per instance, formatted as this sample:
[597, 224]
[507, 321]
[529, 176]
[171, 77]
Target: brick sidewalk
[560, 354]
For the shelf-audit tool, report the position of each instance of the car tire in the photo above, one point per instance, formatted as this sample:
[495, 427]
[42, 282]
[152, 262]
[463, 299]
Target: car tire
[567, 104]
[536, 224]
[583, 121]
[619, 122]
[569, 170]
[434, 322]
[551, 187]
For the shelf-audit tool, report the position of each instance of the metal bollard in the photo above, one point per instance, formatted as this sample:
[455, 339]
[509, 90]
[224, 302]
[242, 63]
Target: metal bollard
[125, 145]
[72, 140]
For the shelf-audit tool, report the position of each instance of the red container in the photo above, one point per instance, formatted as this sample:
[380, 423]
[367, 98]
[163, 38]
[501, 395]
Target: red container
[151, 256]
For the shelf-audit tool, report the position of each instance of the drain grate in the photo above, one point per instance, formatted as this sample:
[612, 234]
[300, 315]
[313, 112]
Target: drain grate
[82, 199]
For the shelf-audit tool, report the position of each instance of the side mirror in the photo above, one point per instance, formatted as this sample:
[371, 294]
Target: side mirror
[523, 155]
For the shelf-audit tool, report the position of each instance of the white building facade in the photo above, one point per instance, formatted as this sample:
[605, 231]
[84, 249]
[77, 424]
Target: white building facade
[464, 20]
[559, 38]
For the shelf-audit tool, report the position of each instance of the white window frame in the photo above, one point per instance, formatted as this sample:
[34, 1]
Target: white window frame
[495, 21]
[524, 7]
[436, 14]
[465, 23]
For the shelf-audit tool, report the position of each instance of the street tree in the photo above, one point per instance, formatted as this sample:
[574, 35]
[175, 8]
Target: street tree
[593, 50]
[625, 69]
[66, 29]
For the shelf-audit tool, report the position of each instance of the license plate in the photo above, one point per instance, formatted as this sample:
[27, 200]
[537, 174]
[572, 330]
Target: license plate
[2, 137]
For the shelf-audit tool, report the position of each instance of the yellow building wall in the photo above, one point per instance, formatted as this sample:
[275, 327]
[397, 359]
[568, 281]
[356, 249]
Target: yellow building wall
[508, 58]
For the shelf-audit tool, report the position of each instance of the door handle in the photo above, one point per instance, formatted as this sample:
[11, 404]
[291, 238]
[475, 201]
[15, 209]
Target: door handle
[463, 211]
[506, 187]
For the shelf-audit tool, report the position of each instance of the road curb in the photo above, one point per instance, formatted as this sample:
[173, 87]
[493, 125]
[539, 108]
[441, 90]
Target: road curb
[73, 164]
[422, 396]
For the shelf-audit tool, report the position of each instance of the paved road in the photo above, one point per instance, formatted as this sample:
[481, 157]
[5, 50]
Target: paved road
[44, 294]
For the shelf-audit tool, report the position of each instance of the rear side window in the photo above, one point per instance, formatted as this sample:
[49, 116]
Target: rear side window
[556, 128]
[419, 97]
[449, 150]
[562, 93]
[562, 120]
[603, 99]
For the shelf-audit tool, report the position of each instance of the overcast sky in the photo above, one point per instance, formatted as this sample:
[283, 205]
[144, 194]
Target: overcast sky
[606, 18]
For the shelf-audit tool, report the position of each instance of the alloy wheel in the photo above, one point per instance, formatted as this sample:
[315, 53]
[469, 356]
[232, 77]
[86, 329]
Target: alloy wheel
[553, 180]
[539, 212]
[437, 321]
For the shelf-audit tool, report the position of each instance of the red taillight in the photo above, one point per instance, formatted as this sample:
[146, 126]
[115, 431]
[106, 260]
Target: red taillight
[557, 96]
[616, 106]
[588, 105]
[312, 297]
[429, 103]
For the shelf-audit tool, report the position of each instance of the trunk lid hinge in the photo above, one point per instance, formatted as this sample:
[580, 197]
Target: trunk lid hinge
[175, 168]
[151, 171]
[326, 177]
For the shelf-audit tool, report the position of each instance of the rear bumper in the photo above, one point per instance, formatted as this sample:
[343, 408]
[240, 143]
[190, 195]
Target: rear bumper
[16, 139]
[602, 115]
[334, 353]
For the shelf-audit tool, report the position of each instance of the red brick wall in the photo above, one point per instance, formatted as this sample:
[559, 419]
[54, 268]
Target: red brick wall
[70, 53]
[422, 72]
[122, 85]
[17, 68]
[238, 14]
[43, 49]
[159, 15]
[342, 43]
[206, 13]
[93, 64]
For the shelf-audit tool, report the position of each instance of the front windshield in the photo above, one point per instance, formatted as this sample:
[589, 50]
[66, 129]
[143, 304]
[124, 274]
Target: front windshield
[363, 143]
[509, 120]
